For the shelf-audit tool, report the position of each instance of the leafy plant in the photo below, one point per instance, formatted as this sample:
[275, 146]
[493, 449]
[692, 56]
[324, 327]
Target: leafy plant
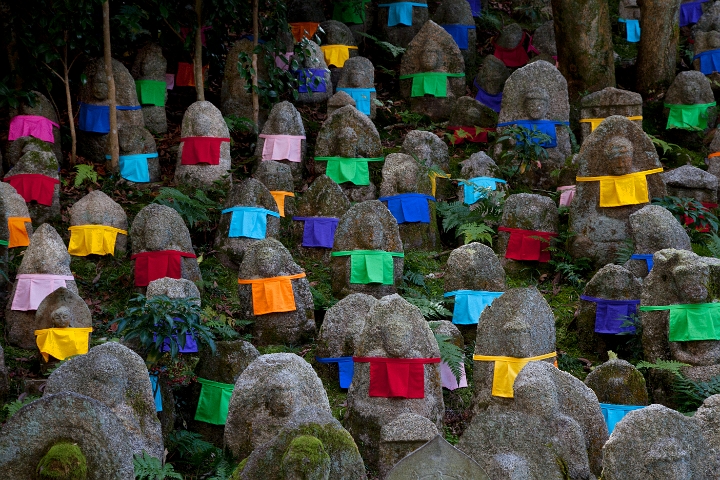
[393, 50]
[693, 215]
[193, 210]
[624, 253]
[238, 124]
[431, 310]
[222, 325]
[688, 393]
[525, 154]
[160, 319]
[472, 223]
[671, 366]
[12, 97]
[151, 468]
[450, 354]
[85, 172]
[11, 408]
[476, 232]
[574, 270]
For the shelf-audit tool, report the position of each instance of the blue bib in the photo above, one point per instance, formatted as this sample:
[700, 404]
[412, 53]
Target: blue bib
[469, 304]
[545, 126]
[345, 366]
[409, 207]
[709, 61]
[96, 118]
[401, 13]
[249, 222]
[472, 195]
[614, 413]
[460, 34]
[632, 29]
[134, 168]
[156, 391]
[648, 257]
[361, 97]
[475, 7]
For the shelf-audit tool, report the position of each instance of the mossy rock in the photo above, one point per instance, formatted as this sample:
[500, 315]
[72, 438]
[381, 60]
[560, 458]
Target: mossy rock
[306, 458]
[64, 461]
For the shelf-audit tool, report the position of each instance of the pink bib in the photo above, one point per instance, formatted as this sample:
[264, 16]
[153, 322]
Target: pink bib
[282, 147]
[32, 126]
[32, 288]
[567, 195]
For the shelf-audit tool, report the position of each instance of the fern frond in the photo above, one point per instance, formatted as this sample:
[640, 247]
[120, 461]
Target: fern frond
[476, 232]
[430, 310]
[84, 172]
[664, 365]
[192, 210]
[450, 354]
[151, 468]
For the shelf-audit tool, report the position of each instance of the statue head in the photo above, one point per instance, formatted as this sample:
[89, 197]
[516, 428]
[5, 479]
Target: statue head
[537, 103]
[432, 58]
[61, 317]
[619, 156]
[99, 84]
[347, 141]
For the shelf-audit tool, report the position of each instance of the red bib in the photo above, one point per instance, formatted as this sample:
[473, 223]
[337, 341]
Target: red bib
[471, 134]
[201, 150]
[397, 377]
[528, 244]
[150, 266]
[512, 57]
[34, 186]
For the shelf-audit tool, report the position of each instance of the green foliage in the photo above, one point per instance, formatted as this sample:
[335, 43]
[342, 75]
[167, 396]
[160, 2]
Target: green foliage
[450, 354]
[472, 224]
[431, 310]
[239, 125]
[150, 468]
[662, 144]
[12, 97]
[524, 154]
[690, 394]
[411, 118]
[193, 210]
[222, 325]
[152, 321]
[682, 208]
[713, 244]
[476, 232]
[574, 270]
[624, 253]
[11, 408]
[85, 172]
[64, 460]
[190, 446]
[664, 365]
[393, 50]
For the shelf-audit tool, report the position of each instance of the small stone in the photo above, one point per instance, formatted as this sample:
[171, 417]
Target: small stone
[174, 288]
[284, 119]
[688, 181]
[618, 382]
[42, 163]
[358, 72]
[608, 102]
[428, 148]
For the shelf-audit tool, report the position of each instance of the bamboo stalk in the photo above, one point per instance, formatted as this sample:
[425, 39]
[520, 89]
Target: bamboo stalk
[113, 138]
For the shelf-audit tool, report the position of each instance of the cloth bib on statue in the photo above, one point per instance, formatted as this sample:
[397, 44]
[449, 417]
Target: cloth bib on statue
[250, 222]
[507, 370]
[32, 288]
[691, 321]
[214, 402]
[616, 191]
[318, 231]
[361, 97]
[396, 377]
[93, 239]
[32, 126]
[469, 305]
[401, 13]
[156, 264]
[18, 232]
[282, 147]
[346, 368]
[370, 266]
[151, 92]
[34, 186]
[274, 294]
[473, 188]
[430, 83]
[353, 170]
[337, 55]
[409, 207]
[62, 343]
[611, 315]
[201, 150]
[528, 244]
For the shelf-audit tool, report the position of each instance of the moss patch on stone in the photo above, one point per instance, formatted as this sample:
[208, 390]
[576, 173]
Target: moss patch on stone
[306, 455]
[64, 461]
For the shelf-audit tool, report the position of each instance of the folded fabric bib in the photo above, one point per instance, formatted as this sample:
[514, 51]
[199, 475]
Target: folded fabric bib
[346, 367]
[272, 295]
[610, 315]
[151, 92]
[157, 395]
[337, 54]
[475, 7]
[156, 264]
[401, 13]
[709, 61]
[632, 29]
[282, 147]
[32, 288]
[170, 80]
[311, 80]
[506, 370]
[96, 118]
[93, 239]
[318, 231]
[469, 305]
[690, 12]
[512, 57]
[352, 12]
[567, 194]
[470, 133]
[353, 170]
[34, 186]
[201, 150]
[595, 122]
[447, 377]
[616, 191]
[250, 222]
[648, 257]
[370, 266]
[279, 197]
[186, 74]
[544, 126]
[214, 401]
[493, 102]
[471, 192]
[302, 30]
[688, 117]
[528, 244]
[190, 346]
[62, 343]
[614, 413]
[409, 207]
[361, 97]
[430, 83]
[691, 321]
[18, 232]
[459, 33]
[134, 168]
[433, 179]
[396, 377]
[32, 126]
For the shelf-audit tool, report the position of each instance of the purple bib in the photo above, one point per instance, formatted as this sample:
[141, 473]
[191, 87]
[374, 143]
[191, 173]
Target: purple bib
[610, 315]
[318, 231]
[490, 101]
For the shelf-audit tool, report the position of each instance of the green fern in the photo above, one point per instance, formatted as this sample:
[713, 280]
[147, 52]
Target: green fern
[454, 214]
[414, 277]
[85, 172]
[664, 365]
[450, 354]
[151, 468]
[394, 50]
[713, 245]
[624, 253]
[476, 232]
[12, 407]
[431, 310]
[192, 210]
[690, 394]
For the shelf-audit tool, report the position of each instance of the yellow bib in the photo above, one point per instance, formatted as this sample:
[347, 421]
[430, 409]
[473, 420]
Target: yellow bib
[336, 54]
[433, 179]
[62, 343]
[279, 197]
[616, 191]
[594, 122]
[506, 370]
[97, 239]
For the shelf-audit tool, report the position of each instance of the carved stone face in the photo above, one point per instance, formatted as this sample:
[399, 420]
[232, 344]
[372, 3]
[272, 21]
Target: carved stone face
[347, 143]
[619, 156]
[357, 76]
[61, 317]
[690, 93]
[536, 104]
[397, 336]
[432, 58]
[99, 85]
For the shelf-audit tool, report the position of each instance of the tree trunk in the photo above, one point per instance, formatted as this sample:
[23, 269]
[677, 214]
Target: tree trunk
[255, 98]
[198, 63]
[68, 99]
[657, 54]
[113, 137]
[584, 45]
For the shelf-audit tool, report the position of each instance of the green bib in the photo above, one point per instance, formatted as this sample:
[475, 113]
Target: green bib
[691, 321]
[350, 11]
[151, 92]
[370, 266]
[4, 243]
[430, 83]
[214, 402]
[688, 117]
[354, 170]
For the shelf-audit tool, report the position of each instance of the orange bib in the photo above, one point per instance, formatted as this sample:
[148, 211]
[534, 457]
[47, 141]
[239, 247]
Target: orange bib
[18, 232]
[272, 295]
